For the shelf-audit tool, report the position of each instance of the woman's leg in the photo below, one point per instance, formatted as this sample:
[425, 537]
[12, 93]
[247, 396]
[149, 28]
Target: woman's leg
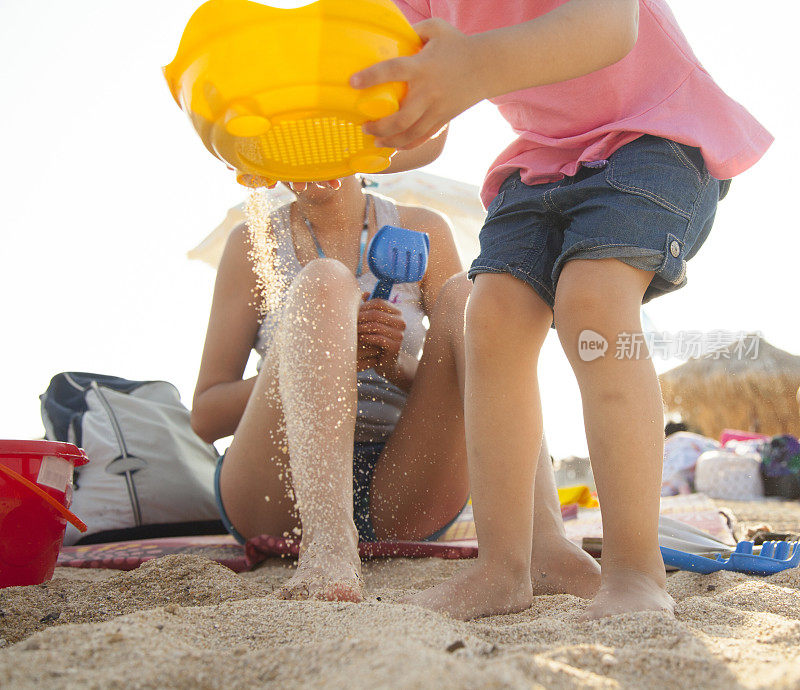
[317, 383]
[308, 379]
[255, 480]
[624, 419]
[421, 480]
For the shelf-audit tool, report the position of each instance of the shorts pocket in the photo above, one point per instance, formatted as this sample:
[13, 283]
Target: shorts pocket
[659, 170]
[496, 203]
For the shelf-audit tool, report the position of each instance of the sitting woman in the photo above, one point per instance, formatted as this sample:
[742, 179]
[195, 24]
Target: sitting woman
[345, 432]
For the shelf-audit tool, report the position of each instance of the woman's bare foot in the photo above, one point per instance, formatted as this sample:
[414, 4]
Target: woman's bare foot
[628, 591]
[326, 574]
[560, 567]
[477, 591]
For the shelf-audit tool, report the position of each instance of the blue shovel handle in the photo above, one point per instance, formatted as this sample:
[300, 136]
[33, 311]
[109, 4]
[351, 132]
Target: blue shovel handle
[382, 290]
[688, 561]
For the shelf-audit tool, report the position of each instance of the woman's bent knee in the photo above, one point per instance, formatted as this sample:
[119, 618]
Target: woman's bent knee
[323, 282]
[451, 301]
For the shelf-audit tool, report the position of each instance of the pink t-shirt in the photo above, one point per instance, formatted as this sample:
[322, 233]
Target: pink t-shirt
[659, 88]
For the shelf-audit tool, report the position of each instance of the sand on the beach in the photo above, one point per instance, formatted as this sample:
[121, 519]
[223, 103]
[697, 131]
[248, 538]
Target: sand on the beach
[183, 621]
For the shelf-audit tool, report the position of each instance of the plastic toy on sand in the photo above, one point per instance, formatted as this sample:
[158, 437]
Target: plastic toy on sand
[773, 557]
[267, 89]
[35, 495]
[397, 255]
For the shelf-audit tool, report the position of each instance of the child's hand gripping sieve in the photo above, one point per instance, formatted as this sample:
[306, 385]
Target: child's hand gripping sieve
[441, 85]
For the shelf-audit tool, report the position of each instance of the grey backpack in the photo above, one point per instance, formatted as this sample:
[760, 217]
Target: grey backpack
[149, 475]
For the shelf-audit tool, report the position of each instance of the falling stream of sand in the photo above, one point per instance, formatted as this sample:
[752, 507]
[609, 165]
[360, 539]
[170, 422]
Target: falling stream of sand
[318, 421]
[263, 254]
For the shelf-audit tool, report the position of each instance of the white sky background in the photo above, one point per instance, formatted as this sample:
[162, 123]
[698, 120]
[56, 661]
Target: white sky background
[105, 186]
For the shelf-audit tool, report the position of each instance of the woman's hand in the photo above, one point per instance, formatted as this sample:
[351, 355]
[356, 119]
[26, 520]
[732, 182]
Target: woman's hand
[441, 85]
[380, 331]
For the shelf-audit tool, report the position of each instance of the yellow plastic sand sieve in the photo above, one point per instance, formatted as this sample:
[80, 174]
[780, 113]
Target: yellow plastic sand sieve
[267, 88]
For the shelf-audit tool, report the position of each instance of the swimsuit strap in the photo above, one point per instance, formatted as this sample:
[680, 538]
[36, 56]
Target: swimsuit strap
[362, 244]
[364, 233]
[320, 253]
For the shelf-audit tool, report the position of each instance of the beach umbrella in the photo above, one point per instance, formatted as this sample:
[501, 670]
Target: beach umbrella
[747, 384]
[458, 201]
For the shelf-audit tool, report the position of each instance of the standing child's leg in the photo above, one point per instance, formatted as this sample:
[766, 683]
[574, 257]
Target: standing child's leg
[557, 565]
[624, 428]
[506, 326]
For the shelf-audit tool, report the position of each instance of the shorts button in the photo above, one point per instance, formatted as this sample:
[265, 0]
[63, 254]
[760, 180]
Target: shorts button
[674, 248]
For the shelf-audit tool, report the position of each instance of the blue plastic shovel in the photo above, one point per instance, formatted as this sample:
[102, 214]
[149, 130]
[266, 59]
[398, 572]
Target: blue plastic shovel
[773, 557]
[397, 255]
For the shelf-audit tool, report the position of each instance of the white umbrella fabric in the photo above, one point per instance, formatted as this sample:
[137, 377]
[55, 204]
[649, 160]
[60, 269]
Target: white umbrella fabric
[458, 201]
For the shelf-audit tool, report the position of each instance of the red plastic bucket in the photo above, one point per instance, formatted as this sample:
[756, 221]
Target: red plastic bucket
[35, 494]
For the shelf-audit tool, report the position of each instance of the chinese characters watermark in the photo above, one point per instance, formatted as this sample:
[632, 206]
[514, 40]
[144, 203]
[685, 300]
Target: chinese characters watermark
[718, 344]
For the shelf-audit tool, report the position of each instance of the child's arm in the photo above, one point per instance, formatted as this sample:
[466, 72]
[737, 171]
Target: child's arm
[454, 71]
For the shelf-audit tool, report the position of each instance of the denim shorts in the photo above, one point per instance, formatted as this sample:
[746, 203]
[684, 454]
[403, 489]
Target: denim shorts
[651, 206]
[365, 458]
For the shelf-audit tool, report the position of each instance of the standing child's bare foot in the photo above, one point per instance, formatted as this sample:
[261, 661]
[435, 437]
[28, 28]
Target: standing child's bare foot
[560, 567]
[326, 574]
[628, 591]
[478, 591]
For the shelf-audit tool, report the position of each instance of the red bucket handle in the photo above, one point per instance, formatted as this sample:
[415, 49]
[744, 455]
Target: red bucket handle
[52, 502]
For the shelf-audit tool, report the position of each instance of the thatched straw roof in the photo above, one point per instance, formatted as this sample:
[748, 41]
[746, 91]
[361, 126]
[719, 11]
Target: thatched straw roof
[731, 388]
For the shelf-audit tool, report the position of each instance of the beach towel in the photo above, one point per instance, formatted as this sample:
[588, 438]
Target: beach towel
[583, 527]
[129, 555]
[225, 550]
[459, 541]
